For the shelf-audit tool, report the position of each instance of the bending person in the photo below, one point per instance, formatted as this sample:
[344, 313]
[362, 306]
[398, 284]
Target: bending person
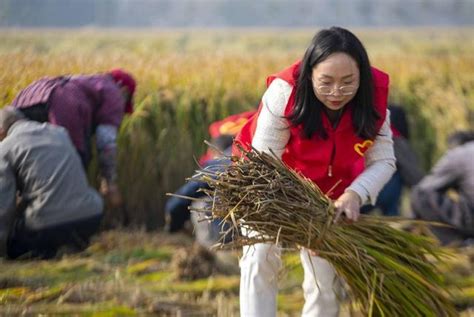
[321, 115]
[87, 106]
[446, 194]
[45, 199]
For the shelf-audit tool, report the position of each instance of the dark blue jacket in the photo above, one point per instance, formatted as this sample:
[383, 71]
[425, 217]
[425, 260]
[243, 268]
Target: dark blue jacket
[177, 209]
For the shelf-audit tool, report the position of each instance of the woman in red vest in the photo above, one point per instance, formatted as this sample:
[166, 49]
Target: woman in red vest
[322, 115]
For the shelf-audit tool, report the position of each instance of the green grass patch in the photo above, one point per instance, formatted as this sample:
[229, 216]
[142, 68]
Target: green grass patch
[289, 303]
[39, 273]
[123, 256]
[83, 310]
[213, 284]
[158, 277]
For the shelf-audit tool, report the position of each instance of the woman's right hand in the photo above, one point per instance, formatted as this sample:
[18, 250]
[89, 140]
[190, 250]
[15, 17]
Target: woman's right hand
[348, 203]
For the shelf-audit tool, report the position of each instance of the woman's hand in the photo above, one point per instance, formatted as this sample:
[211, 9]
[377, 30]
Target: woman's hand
[348, 203]
[111, 193]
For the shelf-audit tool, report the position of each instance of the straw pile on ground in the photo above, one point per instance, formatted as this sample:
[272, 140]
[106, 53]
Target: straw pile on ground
[386, 270]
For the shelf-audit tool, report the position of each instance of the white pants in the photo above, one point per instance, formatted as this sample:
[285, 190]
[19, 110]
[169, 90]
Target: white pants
[260, 266]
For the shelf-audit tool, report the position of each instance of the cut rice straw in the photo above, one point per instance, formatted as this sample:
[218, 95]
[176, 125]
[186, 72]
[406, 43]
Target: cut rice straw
[386, 270]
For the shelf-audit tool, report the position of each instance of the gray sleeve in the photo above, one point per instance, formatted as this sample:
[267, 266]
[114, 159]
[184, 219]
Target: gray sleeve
[106, 138]
[379, 166]
[444, 173]
[7, 201]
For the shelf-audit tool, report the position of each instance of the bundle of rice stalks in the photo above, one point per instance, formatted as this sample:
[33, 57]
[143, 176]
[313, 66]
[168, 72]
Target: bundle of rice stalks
[387, 271]
[193, 263]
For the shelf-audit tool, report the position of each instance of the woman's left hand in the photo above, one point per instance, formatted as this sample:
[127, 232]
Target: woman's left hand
[348, 203]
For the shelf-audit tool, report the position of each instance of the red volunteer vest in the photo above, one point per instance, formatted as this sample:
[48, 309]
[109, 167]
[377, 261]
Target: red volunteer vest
[332, 163]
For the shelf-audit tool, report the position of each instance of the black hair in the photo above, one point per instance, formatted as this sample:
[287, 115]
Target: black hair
[308, 109]
[398, 119]
[460, 137]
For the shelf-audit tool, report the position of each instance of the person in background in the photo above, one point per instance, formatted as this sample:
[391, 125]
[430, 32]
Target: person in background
[177, 209]
[408, 172]
[45, 199]
[446, 194]
[85, 105]
[230, 125]
[320, 116]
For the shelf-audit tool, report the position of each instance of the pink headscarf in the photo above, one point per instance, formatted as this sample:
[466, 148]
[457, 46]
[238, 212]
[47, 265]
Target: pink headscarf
[125, 79]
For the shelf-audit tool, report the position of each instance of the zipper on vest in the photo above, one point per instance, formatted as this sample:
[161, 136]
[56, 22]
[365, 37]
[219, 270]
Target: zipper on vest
[333, 154]
[334, 126]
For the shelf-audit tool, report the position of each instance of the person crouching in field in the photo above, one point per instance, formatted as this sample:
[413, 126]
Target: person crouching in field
[45, 199]
[446, 194]
[177, 208]
[85, 105]
[320, 116]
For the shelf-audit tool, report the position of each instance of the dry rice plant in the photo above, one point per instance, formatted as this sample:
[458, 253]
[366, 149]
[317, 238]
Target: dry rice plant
[387, 270]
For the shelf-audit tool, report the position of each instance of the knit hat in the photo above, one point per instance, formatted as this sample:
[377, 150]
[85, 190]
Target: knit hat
[125, 79]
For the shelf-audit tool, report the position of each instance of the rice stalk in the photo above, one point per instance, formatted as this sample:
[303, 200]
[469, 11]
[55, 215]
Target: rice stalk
[386, 270]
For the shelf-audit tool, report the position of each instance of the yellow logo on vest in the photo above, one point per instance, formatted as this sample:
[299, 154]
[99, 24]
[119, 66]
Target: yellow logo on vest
[232, 127]
[360, 148]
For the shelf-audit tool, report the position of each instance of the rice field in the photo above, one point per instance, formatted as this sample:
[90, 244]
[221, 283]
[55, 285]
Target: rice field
[187, 79]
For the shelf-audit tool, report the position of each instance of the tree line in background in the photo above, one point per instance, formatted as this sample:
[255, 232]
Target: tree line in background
[230, 13]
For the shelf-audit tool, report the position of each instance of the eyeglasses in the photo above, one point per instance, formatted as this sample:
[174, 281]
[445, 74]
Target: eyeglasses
[328, 90]
[344, 90]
